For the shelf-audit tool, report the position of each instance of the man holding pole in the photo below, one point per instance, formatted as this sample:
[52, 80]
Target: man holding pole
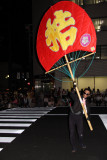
[76, 117]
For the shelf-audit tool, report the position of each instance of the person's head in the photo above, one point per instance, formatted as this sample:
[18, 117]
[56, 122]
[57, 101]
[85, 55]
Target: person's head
[86, 93]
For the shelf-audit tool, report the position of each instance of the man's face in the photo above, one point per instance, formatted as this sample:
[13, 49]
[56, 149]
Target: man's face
[86, 94]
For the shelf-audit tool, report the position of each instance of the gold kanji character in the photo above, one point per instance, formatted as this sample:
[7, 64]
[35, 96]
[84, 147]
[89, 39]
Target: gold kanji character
[60, 31]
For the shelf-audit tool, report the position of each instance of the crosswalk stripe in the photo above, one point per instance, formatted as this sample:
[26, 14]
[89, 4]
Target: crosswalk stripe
[33, 114]
[20, 116]
[13, 131]
[24, 112]
[104, 119]
[15, 124]
[18, 120]
[1, 149]
[36, 108]
[6, 139]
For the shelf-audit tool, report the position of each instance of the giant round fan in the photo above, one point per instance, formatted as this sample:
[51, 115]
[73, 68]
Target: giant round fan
[65, 29]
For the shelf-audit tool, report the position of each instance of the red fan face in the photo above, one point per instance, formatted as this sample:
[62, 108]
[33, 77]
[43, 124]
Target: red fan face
[65, 28]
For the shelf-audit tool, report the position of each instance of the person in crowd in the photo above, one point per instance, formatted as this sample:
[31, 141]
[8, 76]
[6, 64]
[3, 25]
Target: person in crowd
[105, 93]
[14, 102]
[21, 101]
[98, 99]
[68, 93]
[33, 100]
[98, 91]
[55, 96]
[29, 96]
[45, 101]
[105, 99]
[63, 94]
[25, 101]
[81, 92]
[59, 93]
[76, 118]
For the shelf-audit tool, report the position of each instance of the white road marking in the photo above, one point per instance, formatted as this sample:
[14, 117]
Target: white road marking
[12, 131]
[1, 149]
[18, 120]
[15, 124]
[19, 115]
[6, 139]
[104, 119]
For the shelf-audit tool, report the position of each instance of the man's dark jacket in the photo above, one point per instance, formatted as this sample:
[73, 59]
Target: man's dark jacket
[75, 106]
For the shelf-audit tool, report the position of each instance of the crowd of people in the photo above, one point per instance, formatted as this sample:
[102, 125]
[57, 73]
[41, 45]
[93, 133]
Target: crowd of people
[96, 97]
[57, 97]
[17, 99]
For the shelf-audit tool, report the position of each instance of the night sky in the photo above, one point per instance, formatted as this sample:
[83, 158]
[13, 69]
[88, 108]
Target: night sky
[14, 15]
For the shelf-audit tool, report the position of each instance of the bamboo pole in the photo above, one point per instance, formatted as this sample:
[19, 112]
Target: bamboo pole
[70, 62]
[78, 93]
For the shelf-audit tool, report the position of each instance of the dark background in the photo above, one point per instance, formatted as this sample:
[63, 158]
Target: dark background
[14, 15]
[19, 22]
